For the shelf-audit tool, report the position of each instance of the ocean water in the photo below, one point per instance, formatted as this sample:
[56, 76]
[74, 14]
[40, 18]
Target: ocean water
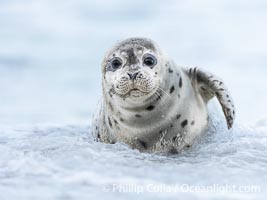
[50, 83]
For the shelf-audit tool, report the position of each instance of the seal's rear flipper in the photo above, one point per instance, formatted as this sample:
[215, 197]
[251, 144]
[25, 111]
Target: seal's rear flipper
[209, 86]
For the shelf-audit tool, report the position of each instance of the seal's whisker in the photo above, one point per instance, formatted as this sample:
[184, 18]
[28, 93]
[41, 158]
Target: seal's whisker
[164, 92]
[159, 96]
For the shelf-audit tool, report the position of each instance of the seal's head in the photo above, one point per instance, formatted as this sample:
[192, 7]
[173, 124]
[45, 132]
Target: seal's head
[131, 70]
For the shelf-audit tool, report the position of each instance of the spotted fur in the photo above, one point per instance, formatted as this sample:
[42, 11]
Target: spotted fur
[209, 86]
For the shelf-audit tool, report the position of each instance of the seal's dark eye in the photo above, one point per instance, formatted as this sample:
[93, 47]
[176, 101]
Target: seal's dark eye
[115, 64]
[149, 60]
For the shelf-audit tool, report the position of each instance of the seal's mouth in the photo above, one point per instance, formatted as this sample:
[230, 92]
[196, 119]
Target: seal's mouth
[136, 93]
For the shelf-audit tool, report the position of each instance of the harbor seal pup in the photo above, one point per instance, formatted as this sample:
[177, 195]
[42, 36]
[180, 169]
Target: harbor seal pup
[152, 104]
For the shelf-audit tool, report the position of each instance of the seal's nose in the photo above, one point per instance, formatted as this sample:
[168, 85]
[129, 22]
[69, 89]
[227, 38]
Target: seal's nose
[133, 75]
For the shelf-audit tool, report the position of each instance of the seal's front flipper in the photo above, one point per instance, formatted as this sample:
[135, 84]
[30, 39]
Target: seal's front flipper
[209, 86]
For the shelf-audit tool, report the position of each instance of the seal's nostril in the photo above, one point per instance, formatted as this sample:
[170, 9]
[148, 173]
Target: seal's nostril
[133, 75]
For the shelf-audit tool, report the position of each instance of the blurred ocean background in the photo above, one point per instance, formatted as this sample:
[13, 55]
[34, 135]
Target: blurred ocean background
[50, 83]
